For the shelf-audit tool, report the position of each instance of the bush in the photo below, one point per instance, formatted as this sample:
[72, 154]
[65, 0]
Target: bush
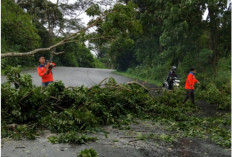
[98, 64]
[213, 95]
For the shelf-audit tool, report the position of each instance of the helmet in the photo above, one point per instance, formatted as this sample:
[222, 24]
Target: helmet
[173, 67]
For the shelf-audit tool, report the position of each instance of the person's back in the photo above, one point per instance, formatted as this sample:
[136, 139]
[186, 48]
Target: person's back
[171, 76]
[189, 85]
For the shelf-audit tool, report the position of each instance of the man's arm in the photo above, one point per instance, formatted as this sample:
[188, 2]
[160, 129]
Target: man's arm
[41, 74]
[195, 80]
[51, 65]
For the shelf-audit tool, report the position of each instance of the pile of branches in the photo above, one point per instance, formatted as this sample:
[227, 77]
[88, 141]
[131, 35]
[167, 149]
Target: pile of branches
[62, 109]
[70, 111]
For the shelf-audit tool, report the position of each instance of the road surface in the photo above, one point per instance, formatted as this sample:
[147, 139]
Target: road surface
[73, 76]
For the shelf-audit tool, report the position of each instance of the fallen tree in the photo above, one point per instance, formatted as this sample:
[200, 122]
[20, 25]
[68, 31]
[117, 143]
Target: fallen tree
[71, 111]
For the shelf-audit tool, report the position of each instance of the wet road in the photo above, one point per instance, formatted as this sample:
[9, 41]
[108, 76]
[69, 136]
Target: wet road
[73, 76]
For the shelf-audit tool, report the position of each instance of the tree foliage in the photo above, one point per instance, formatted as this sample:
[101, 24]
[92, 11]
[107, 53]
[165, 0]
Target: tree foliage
[78, 56]
[17, 30]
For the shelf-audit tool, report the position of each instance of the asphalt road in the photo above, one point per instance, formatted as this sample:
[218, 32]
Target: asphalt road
[73, 76]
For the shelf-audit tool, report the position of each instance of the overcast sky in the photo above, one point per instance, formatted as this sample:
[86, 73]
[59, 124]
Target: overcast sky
[86, 18]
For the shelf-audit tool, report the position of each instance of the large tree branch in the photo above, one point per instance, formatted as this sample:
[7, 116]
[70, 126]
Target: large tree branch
[67, 39]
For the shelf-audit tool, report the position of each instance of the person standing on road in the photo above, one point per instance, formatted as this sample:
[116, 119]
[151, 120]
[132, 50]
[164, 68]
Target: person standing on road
[189, 85]
[45, 71]
[171, 75]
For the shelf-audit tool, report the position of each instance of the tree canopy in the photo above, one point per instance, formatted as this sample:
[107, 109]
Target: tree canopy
[18, 32]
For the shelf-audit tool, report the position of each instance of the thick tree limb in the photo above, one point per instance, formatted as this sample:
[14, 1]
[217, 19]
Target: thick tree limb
[16, 54]
[67, 39]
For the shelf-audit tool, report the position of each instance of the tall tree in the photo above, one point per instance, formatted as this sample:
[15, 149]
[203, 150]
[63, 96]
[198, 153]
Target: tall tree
[218, 11]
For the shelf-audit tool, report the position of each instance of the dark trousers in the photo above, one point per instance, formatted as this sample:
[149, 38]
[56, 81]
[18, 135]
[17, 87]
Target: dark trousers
[189, 93]
[170, 84]
[45, 84]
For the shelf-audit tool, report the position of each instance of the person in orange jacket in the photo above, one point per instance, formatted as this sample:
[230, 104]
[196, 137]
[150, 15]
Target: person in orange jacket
[189, 85]
[45, 71]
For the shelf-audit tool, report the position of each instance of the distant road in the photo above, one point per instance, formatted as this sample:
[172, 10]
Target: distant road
[74, 76]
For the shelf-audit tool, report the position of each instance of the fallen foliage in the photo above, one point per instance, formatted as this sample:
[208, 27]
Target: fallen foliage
[73, 111]
[88, 153]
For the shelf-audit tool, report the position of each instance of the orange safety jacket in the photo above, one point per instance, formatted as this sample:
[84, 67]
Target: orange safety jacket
[191, 80]
[41, 69]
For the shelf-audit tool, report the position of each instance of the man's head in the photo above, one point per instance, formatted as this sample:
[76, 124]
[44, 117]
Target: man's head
[193, 69]
[42, 60]
[174, 68]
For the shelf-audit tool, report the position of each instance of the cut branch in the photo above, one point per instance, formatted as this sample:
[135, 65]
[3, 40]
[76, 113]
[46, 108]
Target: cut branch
[139, 85]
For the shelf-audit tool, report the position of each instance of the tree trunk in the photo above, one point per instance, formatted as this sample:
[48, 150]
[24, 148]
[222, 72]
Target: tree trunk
[213, 36]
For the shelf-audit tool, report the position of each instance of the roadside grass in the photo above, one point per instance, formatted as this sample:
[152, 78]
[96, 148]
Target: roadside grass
[154, 82]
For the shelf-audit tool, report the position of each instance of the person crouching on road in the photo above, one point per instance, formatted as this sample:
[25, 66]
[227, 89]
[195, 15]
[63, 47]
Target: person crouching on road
[189, 85]
[45, 71]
